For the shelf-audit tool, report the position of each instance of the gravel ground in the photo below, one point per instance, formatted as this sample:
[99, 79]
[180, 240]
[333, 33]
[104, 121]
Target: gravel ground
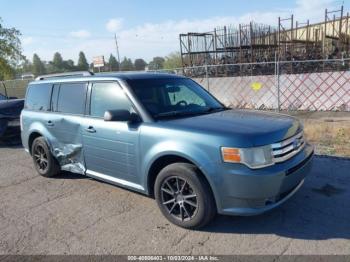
[73, 214]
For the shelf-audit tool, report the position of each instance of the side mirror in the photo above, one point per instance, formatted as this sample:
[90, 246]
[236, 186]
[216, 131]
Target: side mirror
[121, 116]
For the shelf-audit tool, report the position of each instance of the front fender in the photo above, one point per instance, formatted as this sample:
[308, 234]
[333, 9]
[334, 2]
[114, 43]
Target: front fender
[192, 153]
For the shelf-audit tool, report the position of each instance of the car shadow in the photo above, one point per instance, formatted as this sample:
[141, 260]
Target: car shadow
[69, 175]
[12, 142]
[319, 210]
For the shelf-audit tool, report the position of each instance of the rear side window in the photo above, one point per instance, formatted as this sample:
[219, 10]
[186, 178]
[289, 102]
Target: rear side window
[71, 98]
[38, 97]
[107, 96]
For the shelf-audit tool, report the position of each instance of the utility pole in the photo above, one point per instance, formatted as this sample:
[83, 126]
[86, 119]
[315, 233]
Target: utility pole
[117, 49]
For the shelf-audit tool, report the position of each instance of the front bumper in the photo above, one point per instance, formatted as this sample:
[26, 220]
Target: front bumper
[246, 192]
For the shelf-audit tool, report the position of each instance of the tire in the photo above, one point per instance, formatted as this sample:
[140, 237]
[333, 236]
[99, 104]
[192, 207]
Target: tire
[45, 164]
[184, 196]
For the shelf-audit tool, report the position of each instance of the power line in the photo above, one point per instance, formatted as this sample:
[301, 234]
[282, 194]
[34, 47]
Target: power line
[117, 48]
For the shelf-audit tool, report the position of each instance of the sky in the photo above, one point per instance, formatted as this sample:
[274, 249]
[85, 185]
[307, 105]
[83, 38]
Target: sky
[144, 29]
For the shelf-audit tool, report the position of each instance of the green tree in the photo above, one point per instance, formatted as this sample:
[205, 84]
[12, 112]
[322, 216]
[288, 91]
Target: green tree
[156, 63]
[10, 51]
[25, 67]
[57, 62]
[126, 65]
[68, 65]
[113, 63]
[140, 64]
[50, 68]
[82, 62]
[172, 61]
[38, 66]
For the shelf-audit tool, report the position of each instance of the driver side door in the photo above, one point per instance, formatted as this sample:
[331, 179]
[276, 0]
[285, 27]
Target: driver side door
[110, 147]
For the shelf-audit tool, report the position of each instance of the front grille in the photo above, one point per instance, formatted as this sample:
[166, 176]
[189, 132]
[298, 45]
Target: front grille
[288, 148]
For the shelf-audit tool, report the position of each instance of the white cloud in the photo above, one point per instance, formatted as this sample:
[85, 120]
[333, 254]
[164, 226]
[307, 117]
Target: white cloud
[115, 24]
[312, 5]
[80, 34]
[27, 40]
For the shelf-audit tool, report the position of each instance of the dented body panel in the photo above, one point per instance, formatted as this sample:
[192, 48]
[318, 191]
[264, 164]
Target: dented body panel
[62, 134]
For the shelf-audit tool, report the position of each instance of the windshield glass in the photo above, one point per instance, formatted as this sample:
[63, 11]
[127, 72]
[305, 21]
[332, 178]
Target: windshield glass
[173, 97]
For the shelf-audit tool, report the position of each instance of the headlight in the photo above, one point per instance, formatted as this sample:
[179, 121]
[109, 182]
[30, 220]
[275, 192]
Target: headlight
[254, 157]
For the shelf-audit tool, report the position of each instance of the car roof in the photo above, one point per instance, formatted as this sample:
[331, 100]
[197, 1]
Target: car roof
[106, 76]
[138, 75]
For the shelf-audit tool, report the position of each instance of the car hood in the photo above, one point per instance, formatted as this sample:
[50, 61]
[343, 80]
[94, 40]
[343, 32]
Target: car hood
[11, 107]
[245, 127]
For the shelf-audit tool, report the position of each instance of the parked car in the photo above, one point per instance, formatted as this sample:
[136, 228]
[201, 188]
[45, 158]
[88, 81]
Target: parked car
[165, 136]
[10, 110]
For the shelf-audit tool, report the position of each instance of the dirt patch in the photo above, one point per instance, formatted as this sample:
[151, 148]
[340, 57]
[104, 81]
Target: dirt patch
[329, 132]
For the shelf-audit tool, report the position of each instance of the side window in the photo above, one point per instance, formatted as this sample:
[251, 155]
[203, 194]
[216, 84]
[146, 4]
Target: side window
[107, 96]
[38, 97]
[71, 98]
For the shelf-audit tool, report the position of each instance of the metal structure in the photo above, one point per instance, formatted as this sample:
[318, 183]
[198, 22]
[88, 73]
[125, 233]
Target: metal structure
[256, 43]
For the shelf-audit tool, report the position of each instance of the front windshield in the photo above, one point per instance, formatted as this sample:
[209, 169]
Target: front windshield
[173, 97]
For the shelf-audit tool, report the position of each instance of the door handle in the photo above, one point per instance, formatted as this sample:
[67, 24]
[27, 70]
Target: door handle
[50, 123]
[90, 129]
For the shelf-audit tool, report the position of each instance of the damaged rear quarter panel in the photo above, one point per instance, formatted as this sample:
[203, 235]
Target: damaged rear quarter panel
[63, 137]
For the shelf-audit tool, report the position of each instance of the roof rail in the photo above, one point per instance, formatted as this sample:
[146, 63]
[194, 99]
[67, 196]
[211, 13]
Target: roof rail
[66, 74]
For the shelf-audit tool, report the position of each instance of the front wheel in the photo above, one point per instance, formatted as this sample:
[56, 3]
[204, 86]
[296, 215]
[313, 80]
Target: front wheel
[45, 164]
[184, 196]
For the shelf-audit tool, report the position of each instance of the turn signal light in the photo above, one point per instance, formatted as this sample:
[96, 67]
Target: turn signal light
[231, 155]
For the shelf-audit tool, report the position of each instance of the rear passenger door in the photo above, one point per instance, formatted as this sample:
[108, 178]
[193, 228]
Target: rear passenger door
[110, 148]
[68, 108]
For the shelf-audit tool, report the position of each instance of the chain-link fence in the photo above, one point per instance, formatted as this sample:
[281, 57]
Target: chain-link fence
[316, 85]
[14, 88]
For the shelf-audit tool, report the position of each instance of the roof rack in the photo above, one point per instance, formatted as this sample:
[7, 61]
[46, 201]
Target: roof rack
[66, 74]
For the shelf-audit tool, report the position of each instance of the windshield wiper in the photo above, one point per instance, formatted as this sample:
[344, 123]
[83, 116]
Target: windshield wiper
[210, 110]
[214, 109]
[189, 113]
[175, 113]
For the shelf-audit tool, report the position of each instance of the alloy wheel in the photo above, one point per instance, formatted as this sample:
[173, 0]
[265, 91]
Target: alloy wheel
[179, 198]
[40, 158]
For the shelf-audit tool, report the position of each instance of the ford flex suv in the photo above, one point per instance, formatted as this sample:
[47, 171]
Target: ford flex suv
[165, 136]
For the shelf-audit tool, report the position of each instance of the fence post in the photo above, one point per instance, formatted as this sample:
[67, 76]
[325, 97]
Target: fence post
[207, 77]
[277, 76]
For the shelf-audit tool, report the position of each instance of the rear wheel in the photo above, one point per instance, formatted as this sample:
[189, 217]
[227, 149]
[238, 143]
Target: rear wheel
[184, 196]
[45, 164]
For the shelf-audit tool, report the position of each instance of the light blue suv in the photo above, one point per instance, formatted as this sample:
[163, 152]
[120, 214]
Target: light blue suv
[165, 136]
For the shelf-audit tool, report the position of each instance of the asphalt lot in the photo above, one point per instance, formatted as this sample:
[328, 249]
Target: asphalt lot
[73, 214]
